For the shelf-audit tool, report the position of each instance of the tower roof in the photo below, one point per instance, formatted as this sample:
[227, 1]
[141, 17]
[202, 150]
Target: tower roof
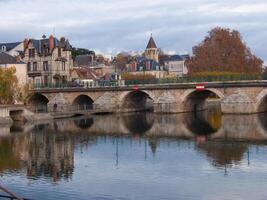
[151, 44]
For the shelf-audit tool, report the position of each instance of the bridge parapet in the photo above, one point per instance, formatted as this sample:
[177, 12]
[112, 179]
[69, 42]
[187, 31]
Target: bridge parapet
[235, 97]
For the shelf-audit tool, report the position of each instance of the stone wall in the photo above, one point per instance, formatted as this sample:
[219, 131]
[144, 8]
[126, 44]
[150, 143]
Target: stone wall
[234, 99]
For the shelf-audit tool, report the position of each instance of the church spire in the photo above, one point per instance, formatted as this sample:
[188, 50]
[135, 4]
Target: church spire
[151, 43]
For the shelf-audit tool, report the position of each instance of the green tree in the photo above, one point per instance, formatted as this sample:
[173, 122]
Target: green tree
[223, 51]
[8, 85]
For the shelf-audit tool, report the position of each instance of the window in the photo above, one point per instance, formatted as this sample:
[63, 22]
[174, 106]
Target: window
[59, 52]
[45, 80]
[29, 67]
[37, 81]
[35, 66]
[3, 48]
[63, 65]
[45, 66]
[31, 53]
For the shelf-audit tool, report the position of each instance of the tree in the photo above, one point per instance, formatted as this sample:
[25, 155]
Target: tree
[80, 51]
[121, 61]
[8, 85]
[223, 51]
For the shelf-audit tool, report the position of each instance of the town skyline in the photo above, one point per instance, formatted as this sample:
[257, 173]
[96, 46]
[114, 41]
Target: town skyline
[114, 26]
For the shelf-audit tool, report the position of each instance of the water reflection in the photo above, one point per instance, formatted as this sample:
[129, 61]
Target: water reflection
[203, 123]
[49, 155]
[224, 154]
[84, 123]
[47, 150]
[138, 123]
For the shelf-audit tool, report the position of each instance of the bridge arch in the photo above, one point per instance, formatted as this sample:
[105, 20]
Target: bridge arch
[37, 102]
[137, 100]
[83, 102]
[195, 100]
[261, 101]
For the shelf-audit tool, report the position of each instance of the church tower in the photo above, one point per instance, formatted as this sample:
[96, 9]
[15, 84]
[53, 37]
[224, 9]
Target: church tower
[151, 51]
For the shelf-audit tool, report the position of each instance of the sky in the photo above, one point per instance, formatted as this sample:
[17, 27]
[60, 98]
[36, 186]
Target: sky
[112, 26]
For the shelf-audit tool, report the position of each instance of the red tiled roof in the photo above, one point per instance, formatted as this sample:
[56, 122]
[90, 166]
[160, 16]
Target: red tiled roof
[86, 73]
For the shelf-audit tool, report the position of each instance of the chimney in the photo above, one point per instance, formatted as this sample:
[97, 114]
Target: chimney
[51, 43]
[18, 59]
[25, 43]
[62, 40]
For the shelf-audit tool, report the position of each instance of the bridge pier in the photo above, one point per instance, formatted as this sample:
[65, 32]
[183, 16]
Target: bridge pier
[238, 103]
[168, 108]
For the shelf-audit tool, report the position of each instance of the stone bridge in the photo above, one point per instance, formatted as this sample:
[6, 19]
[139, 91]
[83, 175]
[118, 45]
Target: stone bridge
[240, 97]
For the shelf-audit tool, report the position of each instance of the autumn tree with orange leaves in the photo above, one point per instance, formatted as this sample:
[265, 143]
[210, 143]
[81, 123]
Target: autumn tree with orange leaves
[223, 51]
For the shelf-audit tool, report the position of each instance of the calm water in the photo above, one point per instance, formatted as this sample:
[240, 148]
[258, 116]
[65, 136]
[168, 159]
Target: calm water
[138, 156]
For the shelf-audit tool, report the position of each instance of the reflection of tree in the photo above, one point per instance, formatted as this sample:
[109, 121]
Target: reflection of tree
[138, 123]
[9, 159]
[224, 153]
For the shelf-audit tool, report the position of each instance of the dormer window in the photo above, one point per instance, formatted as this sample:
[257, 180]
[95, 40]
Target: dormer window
[31, 53]
[3, 48]
[45, 50]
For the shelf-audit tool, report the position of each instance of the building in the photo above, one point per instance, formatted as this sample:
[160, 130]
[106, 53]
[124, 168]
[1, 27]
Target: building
[152, 51]
[175, 65]
[84, 76]
[13, 49]
[8, 61]
[84, 60]
[49, 60]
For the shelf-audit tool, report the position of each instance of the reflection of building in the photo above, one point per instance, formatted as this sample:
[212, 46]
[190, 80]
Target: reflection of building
[49, 60]
[50, 155]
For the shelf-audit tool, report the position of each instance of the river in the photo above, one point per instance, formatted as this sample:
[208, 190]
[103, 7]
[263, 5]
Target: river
[137, 156]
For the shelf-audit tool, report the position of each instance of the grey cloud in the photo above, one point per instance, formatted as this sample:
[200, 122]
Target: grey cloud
[114, 25]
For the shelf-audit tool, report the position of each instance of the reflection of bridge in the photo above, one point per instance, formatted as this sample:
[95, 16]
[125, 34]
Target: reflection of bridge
[13, 112]
[59, 137]
[208, 125]
[235, 97]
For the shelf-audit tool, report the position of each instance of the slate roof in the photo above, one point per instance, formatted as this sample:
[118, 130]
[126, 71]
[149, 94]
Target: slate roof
[9, 46]
[40, 44]
[176, 58]
[151, 44]
[83, 60]
[8, 59]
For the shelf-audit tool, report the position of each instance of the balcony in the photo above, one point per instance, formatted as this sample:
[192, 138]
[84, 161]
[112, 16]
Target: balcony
[34, 73]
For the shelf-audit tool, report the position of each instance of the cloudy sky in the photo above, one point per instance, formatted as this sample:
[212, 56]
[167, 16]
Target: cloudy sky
[111, 26]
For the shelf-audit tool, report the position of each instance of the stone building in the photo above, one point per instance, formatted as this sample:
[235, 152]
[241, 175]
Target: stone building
[49, 60]
[152, 51]
[8, 61]
[84, 60]
[175, 65]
